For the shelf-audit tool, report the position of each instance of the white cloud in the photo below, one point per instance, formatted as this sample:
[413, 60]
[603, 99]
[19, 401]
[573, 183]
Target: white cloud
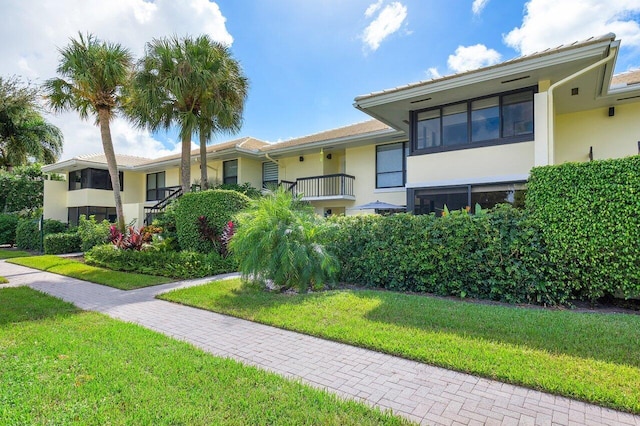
[37, 29]
[478, 6]
[373, 8]
[549, 23]
[388, 21]
[433, 73]
[472, 57]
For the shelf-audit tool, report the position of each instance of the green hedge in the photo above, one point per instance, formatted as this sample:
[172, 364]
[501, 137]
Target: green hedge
[493, 255]
[8, 225]
[62, 243]
[168, 264]
[218, 206]
[92, 233]
[589, 214]
[28, 234]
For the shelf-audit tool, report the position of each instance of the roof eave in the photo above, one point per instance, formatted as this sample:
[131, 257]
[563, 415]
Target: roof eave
[502, 70]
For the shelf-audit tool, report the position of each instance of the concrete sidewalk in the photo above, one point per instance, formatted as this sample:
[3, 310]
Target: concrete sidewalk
[422, 393]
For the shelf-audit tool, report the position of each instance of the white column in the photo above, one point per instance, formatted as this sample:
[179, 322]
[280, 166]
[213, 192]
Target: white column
[541, 141]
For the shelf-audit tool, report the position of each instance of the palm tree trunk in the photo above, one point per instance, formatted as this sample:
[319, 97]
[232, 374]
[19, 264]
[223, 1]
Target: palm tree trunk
[112, 165]
[204, 178]
[185, 163]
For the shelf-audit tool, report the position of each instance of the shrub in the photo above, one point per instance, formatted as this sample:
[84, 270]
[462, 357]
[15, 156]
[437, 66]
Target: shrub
[62, 243]
[92, 233]
[217, 206]
[164, 263]
[8, 225]
[491, 255]
[279, 239]
[588, 214]
[28, 234]
[166, 221]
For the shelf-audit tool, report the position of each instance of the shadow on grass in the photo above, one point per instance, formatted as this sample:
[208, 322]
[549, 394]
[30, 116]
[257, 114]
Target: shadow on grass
[606, 337]
[21, 304]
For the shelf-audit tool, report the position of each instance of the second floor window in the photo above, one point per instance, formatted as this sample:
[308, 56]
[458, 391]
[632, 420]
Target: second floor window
[391, 165]
[156, 186]
[92, 179]
[503, 118]
[230, 172]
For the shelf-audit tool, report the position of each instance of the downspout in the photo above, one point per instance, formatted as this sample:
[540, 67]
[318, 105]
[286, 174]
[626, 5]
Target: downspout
[266, 154]
[550, 115]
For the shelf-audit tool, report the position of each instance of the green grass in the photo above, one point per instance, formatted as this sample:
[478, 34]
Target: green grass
[75, 269]
[11, 253]
[3, 280]
[592, 357]
[64, 366]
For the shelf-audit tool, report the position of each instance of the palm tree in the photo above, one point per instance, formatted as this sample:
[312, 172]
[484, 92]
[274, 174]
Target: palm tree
[93, 75]
[223, 109]
[191, 83]
[24, 132]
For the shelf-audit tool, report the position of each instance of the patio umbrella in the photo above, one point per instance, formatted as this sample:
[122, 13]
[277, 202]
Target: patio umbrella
[379, 205]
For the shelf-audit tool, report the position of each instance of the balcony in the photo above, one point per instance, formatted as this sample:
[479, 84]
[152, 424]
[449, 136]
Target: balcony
[329, 187]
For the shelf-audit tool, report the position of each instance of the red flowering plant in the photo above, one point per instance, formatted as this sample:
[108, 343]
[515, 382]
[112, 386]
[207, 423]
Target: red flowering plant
[219, 239]
[131, 240]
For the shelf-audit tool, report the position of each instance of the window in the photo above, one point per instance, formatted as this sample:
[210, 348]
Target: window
[230, 172]
[101, 213]
[92, 179]
[504, 118]
[156, 186]
[269, 175]
[390, 165]
[433, 200]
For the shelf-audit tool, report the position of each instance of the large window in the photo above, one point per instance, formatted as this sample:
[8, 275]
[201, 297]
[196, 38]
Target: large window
[269, 175]
[391, 165]
[156, 186]
[92, 179]
[101, 213]
[497, 119]
[230, 172]
[434, 200]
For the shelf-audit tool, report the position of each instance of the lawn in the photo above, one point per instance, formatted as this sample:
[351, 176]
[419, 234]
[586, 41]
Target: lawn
[588, 356]
[11, 253]
[75, 269]
[65, 366]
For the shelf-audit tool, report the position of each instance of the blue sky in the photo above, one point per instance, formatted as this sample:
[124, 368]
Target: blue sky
[306, 60]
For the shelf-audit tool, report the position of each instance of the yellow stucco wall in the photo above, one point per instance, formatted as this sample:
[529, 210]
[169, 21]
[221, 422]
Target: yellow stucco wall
[135, 185]
[90, 197]
[250, 171]
[475, 163]
[610, 137]
[55, 200]
[291, 168]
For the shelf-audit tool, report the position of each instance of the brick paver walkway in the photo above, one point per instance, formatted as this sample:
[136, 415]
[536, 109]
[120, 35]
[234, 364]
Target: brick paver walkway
[425, 394]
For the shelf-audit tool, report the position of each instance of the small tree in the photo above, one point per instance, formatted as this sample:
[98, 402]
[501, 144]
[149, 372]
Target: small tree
[278, 240]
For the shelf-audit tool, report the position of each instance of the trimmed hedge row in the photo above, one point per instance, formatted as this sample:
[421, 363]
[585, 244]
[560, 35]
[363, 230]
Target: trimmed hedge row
[589, 214]
[168, 263]
[493, 255]
[28, 234]
[8, 225]
[62, 243]
[218, 206]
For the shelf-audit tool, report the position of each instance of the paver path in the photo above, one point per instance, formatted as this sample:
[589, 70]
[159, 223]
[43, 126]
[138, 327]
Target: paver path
[425, 394]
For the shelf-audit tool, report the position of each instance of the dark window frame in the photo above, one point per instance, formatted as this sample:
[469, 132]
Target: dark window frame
[413, 129]
[404, 165]
[159, 192]
[411, 192]
[230, 180]
[90, 177]
[101, 212]
[270, 183]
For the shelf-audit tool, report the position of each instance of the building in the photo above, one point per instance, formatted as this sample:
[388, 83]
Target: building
[458, 140]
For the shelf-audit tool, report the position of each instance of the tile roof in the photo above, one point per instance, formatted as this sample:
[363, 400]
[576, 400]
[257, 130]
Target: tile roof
[122, 160]
[563, 47]
[247, 143]
[357, 129]
[627, 78]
